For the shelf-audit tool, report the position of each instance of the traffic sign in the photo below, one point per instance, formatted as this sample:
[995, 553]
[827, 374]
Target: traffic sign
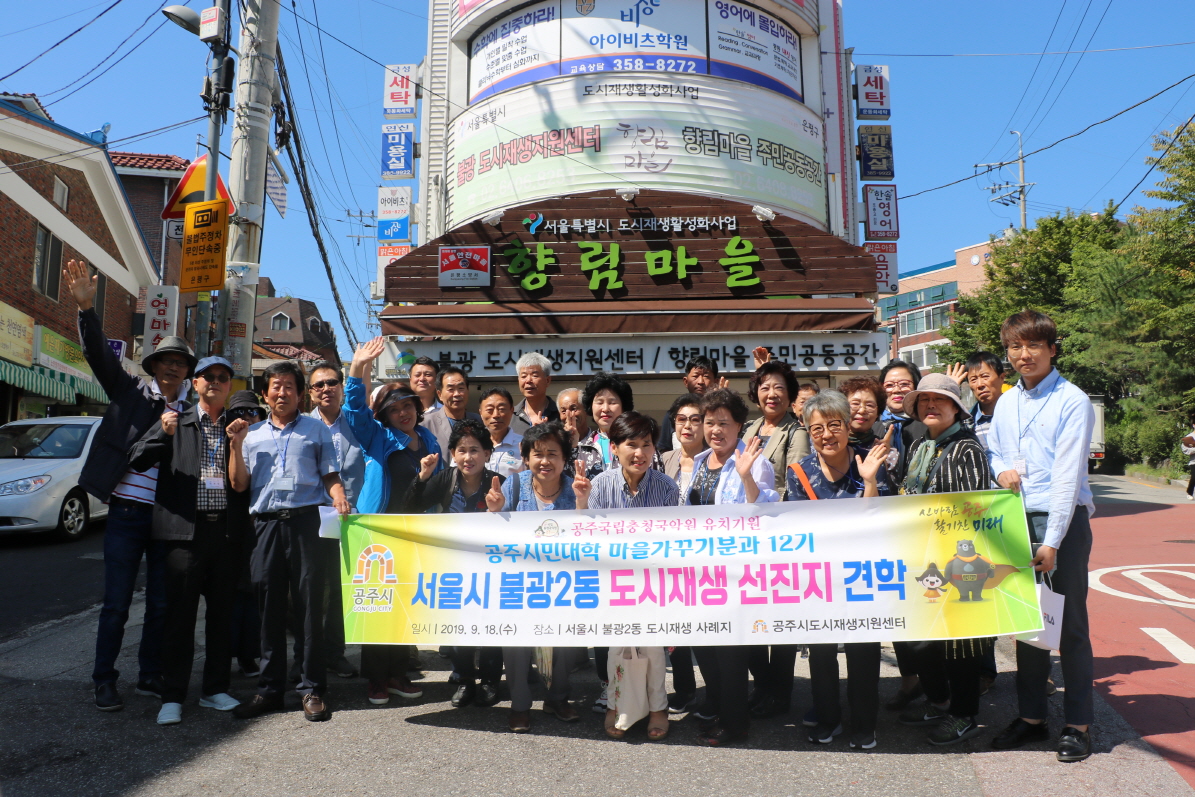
[190, 189]
[205, 246]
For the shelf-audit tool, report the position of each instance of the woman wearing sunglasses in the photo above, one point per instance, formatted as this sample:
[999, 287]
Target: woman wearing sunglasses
[835, 470]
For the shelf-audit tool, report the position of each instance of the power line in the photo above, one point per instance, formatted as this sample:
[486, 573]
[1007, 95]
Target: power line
[1002, 55]
[1059, 141]
[1157, 160]
[60, 41]
[51, 21]
[63, 157]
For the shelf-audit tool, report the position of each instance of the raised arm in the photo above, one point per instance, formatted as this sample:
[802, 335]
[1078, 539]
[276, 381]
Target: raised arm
[99, 355]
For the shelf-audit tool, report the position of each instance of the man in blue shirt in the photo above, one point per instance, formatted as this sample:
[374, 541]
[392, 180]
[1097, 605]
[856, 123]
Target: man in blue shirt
[290, 467]
[1038, 446]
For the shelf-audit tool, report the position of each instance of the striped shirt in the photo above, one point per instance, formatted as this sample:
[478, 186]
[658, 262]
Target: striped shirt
[143, 487]
[610, 491]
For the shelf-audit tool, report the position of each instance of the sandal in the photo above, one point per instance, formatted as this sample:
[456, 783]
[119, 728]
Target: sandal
[657, 725]
[610, 722]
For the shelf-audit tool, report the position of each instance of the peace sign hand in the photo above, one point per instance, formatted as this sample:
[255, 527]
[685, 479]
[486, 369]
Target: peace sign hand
[495, 501]
[582, 486]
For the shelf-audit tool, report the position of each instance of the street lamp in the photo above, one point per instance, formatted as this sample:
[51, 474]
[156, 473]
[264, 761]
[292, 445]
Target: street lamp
[185, 18]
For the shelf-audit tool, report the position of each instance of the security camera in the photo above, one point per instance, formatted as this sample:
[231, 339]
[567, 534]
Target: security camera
[762, 213]
[627, 194]
[494, 219]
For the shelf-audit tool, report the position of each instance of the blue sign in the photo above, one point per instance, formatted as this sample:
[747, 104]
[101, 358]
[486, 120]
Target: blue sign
[398, 151]
[394, 229]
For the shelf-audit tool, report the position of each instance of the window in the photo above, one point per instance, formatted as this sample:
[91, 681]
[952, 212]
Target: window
[47, 263]
[280, 321]
[918, 321]
[315, 325]
[101, 294]
[61, 193]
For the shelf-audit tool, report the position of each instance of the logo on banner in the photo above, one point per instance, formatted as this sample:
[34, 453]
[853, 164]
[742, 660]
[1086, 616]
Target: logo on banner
[378, 556]
[533, 222]
[585, 7]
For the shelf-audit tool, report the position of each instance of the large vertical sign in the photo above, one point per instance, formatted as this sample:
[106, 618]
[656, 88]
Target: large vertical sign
[399, 99]
[205, 246]
[386, 256]
[875, 153]
[887, 275]
[873, 95]
[881, 222]
[394, 213]
[398, 150]
[161, 314]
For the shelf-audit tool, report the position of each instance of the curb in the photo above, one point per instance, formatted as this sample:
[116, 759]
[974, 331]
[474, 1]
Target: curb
[1157, 479]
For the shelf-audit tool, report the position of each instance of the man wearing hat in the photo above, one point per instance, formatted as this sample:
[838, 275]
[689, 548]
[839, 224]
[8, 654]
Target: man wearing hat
[192, 518]
[134, 406]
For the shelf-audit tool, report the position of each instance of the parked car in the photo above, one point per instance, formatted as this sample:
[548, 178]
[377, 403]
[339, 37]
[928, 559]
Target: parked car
[40, 460]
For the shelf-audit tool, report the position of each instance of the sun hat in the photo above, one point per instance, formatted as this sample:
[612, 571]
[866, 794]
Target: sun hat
[938, 384]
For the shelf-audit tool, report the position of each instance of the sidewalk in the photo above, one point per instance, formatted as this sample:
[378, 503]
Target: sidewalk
[54, 742]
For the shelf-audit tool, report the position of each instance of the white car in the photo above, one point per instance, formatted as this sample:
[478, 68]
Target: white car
[40, 462]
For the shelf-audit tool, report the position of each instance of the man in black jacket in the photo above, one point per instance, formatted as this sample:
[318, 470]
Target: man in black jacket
[192, 517]
[134, 407]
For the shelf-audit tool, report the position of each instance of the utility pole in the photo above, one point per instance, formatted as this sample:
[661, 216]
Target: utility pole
[257, 92]
[1013, 192]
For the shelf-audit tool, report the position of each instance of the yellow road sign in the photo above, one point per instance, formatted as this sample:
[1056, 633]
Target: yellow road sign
[205, 246]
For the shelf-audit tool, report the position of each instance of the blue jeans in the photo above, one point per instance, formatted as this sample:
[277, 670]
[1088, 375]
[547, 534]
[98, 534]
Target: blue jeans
[126, 540]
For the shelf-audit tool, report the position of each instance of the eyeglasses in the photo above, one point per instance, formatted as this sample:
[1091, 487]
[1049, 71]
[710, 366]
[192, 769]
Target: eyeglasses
[689, 420]
[864, 405]
[833, 427]
[245, 412]
[1032, 348]
[902, 385]
[173, 362]
[324, 384]
[218, 376]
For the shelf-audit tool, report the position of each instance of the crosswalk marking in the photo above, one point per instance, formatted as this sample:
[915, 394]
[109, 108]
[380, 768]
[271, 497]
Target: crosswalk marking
[1177, 647]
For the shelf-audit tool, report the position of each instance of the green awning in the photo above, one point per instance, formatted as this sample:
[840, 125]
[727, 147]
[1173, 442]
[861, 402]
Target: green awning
[35, 381]
[90, 389]
[74, 384]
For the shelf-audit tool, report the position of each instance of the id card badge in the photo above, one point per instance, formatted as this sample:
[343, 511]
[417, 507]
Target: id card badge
[1020, 466]
[213, 482]
[285, 483]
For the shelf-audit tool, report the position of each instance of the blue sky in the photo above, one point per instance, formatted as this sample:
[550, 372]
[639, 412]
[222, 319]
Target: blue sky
[948, 113]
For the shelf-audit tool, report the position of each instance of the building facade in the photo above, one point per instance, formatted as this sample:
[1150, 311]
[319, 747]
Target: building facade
[291, 328]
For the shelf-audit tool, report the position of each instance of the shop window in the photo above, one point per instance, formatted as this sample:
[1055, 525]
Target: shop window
[47, 263]
[61, 194]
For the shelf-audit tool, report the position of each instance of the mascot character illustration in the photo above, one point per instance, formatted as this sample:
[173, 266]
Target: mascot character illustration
[968, 572]
[934, 583]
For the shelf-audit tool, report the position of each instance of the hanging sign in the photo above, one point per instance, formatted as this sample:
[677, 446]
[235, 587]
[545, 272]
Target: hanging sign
[398, 101]
[875, 153]
[398, 150]
[394, 213]
[881, 222]
[873, 99]
[887, 279]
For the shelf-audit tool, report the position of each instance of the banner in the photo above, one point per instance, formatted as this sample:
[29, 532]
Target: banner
[861, 570]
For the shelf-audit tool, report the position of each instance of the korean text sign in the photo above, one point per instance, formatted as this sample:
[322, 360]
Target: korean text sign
[873, 93]
[398, 100]
[882, 221]
[205, 246]
[394, 213]
[860, 570]
[398, 150]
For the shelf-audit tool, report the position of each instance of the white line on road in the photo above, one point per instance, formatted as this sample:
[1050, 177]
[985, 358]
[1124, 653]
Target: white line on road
[1177, 647]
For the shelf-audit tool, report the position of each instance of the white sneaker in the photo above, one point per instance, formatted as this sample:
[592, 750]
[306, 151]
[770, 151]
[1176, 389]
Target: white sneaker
[220, 702]
[171, 714]
[600, 705]
[1190, 497]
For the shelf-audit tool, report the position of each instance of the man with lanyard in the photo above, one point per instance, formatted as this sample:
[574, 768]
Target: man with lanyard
[134, 407]
[327, 396]
[190, 449]
[288, 463]
[1038, 446]
[534, 371]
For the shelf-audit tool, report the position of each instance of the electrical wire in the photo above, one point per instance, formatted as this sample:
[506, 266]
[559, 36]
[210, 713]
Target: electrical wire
[51, 21]
[49, 49]
[997, 55]
[63, 157]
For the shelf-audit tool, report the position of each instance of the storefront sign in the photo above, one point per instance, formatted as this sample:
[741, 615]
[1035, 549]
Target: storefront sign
[523, 47]
[875, 153]
[632, 35]
[161, 314]
[119, 347]
[464, 266]
[60, 353]
[16, 335]
[748, 44]
[582, 357]
[740, 141]
[205, 246]
[881, 222]
[398, 150]
[398, 101]
[386, 256]
[873, 98]
[887, 274]
[394, 214]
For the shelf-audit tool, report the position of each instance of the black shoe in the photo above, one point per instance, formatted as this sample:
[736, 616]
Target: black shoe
[902, 699]
[717, 736]
[681, 702]
[295, 674]
[487, 695]
[153, 686]
[706, 725]
[107, 698]
[756, 697]
[454, 677]
[257, 706]
[768, 707]
[466, 693]
[824, 733]
[1020, 733]
[342, 668]
[1074, 745]
[445, 652]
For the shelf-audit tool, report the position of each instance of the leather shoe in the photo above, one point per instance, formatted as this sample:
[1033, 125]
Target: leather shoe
[465, 694]
[563, 710]
[520, 721]
[153, 686]
[705, 725]
[314, 708]
[768, 707]
[257, 706]
[902, 699]
[1074, 745]
[1020, 733]
[107, 698]
[718, 736]
[487, 695]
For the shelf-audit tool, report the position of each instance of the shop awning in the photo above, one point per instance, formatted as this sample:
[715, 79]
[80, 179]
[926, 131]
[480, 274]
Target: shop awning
[639, 317]
[74, 384]
[35, 381]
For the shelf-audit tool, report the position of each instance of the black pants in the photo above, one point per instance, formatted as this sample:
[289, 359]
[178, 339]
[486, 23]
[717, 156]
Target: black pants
[207, 566]
[724, 668]
[772, 670]
[862, 684]
[683, 680]
[906, 658]
[601, 663]
[1191, 481]
[489, 671]
[332, 612]
[286, 564]
[1074, 648]
[379, 663]
[950, 675]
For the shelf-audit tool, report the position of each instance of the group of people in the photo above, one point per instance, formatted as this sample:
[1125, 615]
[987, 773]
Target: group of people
[223, 499]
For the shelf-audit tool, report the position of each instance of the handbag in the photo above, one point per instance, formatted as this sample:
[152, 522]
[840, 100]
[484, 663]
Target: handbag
[1051, 604]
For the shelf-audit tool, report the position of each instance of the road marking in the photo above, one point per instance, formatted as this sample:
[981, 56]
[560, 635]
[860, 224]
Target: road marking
[1143, 484]
[1177, 648]
[1164, 595]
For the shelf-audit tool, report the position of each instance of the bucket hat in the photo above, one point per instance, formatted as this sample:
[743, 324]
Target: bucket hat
[939, 385]
[171, 344]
